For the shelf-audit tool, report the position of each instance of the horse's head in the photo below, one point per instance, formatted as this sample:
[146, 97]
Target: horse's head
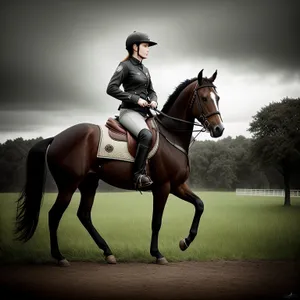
[205, 105]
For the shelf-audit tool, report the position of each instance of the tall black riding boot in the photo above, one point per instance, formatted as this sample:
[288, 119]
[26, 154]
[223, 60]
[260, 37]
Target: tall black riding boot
[140, 179]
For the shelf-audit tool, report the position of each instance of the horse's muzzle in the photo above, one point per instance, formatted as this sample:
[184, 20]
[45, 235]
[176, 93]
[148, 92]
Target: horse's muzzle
[217, 130]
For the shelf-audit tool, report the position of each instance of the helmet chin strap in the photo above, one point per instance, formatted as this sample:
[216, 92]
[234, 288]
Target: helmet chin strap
[138, 53]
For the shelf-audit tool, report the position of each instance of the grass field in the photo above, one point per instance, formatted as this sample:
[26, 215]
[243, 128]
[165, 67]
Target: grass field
[232, 227]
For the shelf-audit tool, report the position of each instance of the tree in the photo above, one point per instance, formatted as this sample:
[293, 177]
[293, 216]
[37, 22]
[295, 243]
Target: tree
[224, 164]
[13, 156]
[276, 139]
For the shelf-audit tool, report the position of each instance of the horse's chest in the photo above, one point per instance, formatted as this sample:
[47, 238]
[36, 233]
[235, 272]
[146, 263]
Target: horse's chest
[172, 168]
[180, 172]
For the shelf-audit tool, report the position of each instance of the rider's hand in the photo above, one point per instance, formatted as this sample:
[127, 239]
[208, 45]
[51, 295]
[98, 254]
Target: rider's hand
[153, 104]
[143, 103]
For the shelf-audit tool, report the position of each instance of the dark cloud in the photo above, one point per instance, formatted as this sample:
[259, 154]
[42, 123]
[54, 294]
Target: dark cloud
[59, 55]
[15, 121]
[260, 33]
[33, 89]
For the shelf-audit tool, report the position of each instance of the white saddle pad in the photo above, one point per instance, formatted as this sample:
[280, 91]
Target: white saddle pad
[111, 149]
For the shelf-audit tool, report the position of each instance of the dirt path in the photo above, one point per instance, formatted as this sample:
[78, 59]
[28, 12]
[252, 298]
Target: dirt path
[185, 280]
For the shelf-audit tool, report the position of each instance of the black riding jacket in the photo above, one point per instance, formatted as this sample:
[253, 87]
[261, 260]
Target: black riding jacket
[136, 82]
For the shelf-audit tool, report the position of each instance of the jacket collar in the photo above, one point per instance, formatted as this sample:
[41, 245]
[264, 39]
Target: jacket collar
[135, 61]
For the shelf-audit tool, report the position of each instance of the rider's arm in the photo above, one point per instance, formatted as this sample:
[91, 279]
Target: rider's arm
[113, 88]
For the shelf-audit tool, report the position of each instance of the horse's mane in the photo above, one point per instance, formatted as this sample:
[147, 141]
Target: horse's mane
[176, 93]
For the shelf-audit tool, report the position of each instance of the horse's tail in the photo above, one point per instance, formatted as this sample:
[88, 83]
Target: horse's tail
[29, 202]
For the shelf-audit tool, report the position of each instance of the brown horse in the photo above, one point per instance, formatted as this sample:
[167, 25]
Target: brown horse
[72, 159]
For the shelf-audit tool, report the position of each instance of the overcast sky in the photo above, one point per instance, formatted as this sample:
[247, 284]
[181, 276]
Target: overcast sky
[57, 57]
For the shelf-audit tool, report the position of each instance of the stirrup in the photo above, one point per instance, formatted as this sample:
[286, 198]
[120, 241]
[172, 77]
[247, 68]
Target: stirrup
[138, 184]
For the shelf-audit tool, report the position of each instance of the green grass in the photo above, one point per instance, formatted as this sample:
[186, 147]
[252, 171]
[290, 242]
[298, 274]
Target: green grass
[231, 228]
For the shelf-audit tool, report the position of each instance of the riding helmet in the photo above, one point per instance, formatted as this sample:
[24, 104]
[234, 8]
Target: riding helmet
[138, 38]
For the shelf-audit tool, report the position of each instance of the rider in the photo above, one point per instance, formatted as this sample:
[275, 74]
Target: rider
[137, 97]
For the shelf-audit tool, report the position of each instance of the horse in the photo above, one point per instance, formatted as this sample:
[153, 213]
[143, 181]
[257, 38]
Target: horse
[71, 158]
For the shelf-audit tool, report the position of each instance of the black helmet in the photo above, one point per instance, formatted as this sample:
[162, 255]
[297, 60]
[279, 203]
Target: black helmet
[138, 38]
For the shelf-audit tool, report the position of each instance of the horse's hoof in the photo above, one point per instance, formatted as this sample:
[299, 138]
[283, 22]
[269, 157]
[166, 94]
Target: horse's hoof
[162, 261]
[182, 245]
[63, 263]
[110, 259]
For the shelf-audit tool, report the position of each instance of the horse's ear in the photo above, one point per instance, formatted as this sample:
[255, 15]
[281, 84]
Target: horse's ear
[213, 77]
[200, 76]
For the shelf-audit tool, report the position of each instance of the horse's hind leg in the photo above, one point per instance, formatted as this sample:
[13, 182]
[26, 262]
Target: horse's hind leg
[62, 201]
[88, 190]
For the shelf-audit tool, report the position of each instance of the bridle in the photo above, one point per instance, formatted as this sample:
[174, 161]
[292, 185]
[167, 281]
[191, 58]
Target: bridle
[203, 119]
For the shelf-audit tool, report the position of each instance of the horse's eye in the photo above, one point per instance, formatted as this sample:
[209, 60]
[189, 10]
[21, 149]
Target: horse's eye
[204, 99]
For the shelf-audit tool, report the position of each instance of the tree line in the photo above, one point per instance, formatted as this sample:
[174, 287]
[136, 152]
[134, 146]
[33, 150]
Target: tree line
[270, 159]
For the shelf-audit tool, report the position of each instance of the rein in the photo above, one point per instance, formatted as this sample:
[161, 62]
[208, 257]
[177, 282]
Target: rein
[176, 119]
[203, 129]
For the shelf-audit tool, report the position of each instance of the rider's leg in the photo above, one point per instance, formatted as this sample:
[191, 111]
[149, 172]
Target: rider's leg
[140, 179]
[135, 123]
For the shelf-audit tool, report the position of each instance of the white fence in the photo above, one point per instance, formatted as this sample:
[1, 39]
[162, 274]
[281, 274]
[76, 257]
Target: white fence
[263, 192]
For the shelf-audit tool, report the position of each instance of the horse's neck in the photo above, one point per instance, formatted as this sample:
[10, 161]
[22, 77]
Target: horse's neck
[180, 132]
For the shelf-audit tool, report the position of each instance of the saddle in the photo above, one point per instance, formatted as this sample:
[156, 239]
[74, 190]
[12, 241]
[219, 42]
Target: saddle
[118, 133]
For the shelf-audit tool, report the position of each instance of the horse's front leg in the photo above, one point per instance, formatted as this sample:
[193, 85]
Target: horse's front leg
[183, 192]
[160, 196]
